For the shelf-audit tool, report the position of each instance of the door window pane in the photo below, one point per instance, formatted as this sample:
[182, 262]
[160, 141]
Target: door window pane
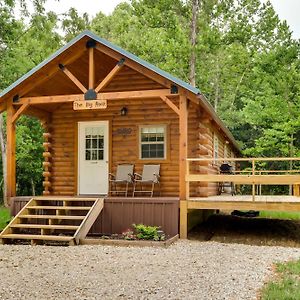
[94, 143]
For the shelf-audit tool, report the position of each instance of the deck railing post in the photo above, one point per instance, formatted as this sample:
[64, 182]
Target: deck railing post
[253, 185]
[187, 180]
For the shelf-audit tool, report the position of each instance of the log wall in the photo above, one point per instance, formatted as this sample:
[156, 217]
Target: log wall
[124, 148]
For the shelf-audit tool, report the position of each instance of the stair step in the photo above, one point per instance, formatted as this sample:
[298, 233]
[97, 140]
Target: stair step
[66, 199]
[41, 226]
[53, 217]
[87, 217]
[60, 207]
[58, 238]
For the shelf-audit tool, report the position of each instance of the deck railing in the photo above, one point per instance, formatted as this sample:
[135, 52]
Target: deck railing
[250, 176]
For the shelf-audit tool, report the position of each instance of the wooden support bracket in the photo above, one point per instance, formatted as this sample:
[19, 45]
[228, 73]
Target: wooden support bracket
[171, 104]
[73, 78]
[110, 76]
[18, 113]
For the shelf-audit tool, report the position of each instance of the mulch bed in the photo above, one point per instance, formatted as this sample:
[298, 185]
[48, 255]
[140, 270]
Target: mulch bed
[117, 240]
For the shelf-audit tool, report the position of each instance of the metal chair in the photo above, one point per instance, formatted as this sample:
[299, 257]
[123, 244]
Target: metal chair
[150, 177]
[124, 176]
[226, 169]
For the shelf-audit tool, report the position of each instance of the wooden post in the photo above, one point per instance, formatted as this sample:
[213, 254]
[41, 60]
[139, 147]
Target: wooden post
[183, 142]
[11, 152]
[296, 189]
[183, 219]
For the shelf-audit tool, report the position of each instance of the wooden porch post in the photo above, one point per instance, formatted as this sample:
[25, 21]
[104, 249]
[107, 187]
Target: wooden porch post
[10, 152]
[183, 142]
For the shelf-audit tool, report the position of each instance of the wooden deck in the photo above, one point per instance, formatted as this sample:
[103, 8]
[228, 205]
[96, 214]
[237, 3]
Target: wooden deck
[245, 202]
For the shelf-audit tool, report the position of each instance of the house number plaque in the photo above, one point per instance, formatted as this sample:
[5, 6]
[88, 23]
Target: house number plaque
[89, 104]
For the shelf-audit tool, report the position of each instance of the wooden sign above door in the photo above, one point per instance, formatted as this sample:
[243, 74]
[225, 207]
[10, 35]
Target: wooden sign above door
[89, 104]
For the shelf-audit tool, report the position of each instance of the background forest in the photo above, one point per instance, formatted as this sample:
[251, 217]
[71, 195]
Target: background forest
[240, 55]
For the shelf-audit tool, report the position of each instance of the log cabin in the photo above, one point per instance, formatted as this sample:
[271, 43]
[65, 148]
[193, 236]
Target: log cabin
[91, 87]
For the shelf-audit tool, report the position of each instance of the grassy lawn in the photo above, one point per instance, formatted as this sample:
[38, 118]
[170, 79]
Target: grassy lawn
[4, 217]
[280, 215]
[287, 284]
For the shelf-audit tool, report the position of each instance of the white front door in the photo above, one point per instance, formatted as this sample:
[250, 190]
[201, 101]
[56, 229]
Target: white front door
[93, 158]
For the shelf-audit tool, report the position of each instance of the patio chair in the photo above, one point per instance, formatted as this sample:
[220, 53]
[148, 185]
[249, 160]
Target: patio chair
[124, 176]
[226, 169]
[150, 177]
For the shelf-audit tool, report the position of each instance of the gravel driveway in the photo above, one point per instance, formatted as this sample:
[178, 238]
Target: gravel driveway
[186, 270]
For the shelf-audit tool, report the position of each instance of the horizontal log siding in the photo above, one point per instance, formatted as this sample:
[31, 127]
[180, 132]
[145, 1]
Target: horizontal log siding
[206, 133]
[124, 147]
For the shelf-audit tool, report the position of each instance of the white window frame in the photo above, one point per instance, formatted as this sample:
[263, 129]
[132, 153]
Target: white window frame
[164, 142]
[215, 147]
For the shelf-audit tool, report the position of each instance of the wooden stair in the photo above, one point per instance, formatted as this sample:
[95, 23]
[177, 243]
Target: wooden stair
[56, 219]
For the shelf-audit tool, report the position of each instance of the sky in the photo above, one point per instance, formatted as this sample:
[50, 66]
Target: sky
[287, 9]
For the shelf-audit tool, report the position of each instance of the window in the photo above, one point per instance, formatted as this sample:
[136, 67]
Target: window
[94, 143]
[152, 142]
[216, 147]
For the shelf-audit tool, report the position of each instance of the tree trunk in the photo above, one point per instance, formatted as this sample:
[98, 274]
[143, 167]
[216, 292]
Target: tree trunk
[32, 187]
[3, 154]
[193, 40]
[217, 84]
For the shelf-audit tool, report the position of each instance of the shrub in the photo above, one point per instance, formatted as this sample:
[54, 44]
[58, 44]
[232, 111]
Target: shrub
[144, 232]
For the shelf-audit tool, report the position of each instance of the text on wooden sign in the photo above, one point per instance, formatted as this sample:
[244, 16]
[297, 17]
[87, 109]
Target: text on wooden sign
[89, 104]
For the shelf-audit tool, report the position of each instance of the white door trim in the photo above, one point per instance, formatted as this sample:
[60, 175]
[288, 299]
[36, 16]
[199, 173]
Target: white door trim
[79, 147]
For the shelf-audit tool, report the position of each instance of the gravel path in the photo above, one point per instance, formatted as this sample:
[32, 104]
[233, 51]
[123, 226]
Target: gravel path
[186, 270]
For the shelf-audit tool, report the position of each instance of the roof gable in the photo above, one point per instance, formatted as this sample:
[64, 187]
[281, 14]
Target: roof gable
[89, 35]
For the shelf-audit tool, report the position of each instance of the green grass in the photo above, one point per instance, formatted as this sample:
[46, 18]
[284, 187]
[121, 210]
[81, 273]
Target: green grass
[287, 285]
[280, 215]
[4, 217]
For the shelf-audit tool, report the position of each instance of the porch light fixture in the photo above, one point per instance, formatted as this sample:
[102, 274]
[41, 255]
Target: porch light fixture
[124, 111]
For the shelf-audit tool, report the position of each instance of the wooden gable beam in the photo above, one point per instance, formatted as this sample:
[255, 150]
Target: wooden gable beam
[144, 94]
[170, 104]
[73, 78]
[91, 68]
[110, 76]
